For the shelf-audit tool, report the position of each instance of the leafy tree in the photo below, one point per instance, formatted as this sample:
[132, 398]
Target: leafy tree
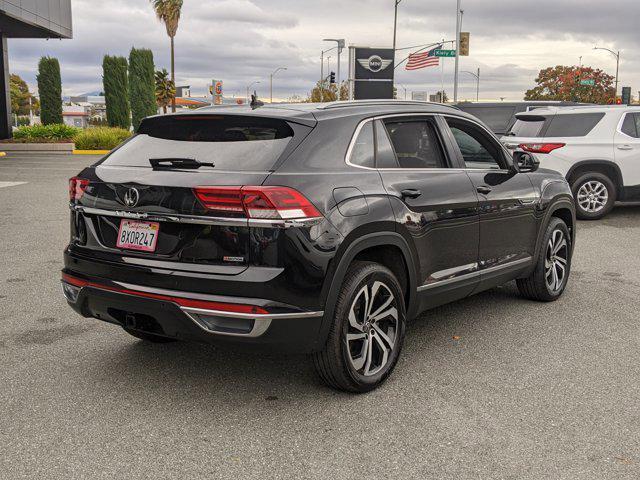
[141, 85]
[20, 96]
[50, 89]
[563, 83]
[344, 91]
[442, 96]
[165, 89]
[323, 92]
[168, 12]
[116, 91]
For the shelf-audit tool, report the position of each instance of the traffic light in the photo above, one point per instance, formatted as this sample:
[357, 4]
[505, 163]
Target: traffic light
[332, 78]
[464, 44]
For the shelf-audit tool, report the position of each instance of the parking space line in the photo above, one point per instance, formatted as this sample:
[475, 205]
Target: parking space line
[11, 184]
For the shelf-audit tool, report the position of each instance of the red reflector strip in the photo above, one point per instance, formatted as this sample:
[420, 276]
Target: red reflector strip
[541, 147]
[183, 302]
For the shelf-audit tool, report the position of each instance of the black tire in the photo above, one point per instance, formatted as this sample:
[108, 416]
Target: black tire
[611, 191]
[536, 286]
[149, 337]
[335, 363]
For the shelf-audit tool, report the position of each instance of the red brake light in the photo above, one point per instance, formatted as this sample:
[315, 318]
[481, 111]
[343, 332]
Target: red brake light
[541, 147]
[273, 203]
[77, 186]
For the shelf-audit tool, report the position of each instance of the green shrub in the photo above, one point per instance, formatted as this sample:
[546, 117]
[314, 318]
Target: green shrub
[50, 88]
[142, 96]
[55, 132]
[116, 91]
[101, 138]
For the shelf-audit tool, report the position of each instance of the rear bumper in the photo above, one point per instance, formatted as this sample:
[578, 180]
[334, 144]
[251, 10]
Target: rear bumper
[259, 324]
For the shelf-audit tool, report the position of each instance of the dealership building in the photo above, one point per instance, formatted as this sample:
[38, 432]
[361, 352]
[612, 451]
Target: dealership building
[28, 19]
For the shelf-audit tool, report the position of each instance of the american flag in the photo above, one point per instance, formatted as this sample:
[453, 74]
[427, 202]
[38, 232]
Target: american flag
[423, 59]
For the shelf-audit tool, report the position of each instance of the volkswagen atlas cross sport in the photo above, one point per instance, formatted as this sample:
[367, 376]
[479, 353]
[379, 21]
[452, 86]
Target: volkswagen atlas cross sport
[307, 228]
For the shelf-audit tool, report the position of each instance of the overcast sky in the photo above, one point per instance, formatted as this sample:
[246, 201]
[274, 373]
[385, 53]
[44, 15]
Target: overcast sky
[240, 41]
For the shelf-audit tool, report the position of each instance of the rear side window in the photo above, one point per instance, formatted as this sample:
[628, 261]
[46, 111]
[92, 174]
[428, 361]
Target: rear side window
[631, 125]
[573, 124]
[363, 152]
[229, 142]
[416, 144]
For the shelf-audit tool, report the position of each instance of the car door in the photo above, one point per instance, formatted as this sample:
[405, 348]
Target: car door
[435, 205]
[507, 202]
[627, 154]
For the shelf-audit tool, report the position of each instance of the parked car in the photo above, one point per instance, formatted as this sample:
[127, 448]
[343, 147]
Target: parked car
[500, 116]
[309, 228]
[596, 148]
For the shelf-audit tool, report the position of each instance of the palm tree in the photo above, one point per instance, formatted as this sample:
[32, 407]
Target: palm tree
[168, 12]
[165, 89]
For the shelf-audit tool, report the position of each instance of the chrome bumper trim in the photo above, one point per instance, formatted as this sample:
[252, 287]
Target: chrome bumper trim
[198, 219]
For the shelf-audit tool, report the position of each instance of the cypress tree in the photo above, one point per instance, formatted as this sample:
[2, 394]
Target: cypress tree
[116, 91]
[141, 85]
[50, 90]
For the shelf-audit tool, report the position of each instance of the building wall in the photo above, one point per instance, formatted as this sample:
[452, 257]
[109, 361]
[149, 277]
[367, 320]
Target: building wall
[36, 18]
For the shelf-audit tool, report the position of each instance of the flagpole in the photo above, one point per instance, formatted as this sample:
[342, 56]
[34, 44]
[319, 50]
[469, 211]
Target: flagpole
[442, 78]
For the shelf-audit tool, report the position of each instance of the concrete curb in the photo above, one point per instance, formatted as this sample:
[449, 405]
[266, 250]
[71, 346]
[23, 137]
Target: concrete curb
[91, 152]
[38, 148]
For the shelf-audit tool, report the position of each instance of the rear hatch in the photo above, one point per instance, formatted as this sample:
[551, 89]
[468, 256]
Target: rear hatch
[142, 203]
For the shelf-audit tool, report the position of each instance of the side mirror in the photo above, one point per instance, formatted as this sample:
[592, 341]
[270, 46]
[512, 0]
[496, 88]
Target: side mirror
[525, 162]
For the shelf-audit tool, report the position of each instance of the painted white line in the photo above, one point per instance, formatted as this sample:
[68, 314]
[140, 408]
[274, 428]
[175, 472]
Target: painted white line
[11, 184]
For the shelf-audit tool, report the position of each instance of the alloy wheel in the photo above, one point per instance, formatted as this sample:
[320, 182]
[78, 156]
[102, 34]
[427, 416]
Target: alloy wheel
[593, 196]
[556, 260]
[372, 330]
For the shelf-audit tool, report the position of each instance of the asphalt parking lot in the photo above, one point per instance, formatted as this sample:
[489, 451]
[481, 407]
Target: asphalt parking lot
[490, 387]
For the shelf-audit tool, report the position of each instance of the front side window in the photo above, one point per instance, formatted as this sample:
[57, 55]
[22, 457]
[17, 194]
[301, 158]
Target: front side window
[477, 149]
[416, 144]
[631, 125]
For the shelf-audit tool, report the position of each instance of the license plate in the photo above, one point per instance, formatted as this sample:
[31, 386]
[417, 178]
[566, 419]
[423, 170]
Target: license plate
[134, 235]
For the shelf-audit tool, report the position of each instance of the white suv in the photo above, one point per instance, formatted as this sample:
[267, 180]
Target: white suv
[596, 148]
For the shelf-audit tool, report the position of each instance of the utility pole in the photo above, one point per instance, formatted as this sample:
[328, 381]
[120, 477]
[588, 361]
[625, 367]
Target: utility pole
[457, 66]
[395, 27]
[340, 46]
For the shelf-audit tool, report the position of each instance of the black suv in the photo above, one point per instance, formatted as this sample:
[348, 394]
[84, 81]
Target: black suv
[310, 228]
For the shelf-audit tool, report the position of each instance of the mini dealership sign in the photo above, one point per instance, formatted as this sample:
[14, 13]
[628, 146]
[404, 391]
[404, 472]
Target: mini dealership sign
[370, 73]
[216, 91]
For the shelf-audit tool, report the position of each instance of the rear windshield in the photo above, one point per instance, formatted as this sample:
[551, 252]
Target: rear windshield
[527, 127]
[229, 142]
[573, 124]
[497, 119]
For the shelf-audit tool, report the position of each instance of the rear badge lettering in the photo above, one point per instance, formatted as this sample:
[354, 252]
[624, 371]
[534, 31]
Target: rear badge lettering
[233, 259]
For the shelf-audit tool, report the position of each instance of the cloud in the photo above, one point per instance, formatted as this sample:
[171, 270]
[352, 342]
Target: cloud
[240, 41]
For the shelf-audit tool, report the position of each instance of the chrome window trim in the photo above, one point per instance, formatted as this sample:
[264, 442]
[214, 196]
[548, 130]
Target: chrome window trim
[355, 135]
[199, 220]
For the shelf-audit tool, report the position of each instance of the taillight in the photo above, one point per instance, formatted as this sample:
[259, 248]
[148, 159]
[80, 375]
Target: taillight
[77, 186]
[272, 203]
[541, 147]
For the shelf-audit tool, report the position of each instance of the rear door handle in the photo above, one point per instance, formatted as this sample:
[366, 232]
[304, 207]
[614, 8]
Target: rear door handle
[625, 147]
[483, 189]
[410, 193]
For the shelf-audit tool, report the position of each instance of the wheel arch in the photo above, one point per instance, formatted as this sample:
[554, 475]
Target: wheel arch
[605, 167]
[563, 209]
[370, 247]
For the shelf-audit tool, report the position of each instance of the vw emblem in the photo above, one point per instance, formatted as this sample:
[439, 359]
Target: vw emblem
[131, 197]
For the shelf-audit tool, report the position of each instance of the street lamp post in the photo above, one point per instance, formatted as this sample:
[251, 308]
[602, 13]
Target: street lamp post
[249, 88]
[340, 45]
[477, 77]
[271, 82]
[395, 26]
[617, 55]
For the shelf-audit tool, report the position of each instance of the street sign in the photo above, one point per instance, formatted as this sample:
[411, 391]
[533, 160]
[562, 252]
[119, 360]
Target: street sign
[444, 53]
[588, 81]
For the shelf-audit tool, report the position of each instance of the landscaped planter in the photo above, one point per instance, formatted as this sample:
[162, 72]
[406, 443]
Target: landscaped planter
[38, 148]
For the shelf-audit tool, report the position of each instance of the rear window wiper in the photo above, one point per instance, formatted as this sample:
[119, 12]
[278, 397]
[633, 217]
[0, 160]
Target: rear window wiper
[178, 163]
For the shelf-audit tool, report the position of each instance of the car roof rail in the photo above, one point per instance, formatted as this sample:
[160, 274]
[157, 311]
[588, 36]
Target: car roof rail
[365, 103]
